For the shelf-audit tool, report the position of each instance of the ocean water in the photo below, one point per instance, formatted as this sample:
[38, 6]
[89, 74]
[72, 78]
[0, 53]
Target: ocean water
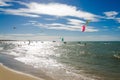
[70, 61]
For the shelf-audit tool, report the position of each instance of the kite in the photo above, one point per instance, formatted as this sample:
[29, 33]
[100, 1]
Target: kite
[14, 27]
[84, 26]
[62, 39]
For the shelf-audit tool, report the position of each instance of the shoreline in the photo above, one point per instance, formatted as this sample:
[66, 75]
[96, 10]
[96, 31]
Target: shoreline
[10, 74]
[12, 64]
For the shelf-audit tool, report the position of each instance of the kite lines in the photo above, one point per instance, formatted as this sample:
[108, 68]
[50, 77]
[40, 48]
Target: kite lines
[84, 26]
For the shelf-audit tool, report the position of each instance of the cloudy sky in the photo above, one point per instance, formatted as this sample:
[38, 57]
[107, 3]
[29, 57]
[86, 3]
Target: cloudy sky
[52, 19]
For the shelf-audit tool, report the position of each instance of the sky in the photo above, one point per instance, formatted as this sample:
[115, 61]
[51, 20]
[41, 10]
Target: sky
[53, 19]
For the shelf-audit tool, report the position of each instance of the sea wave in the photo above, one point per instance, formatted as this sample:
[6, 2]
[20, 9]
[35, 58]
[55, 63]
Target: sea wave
[42, 55]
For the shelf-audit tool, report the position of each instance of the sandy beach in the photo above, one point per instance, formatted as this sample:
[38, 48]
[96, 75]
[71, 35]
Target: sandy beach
[9, 74]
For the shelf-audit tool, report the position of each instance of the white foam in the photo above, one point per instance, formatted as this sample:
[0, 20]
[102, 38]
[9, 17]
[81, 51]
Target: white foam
[39, 54]
[1, 48]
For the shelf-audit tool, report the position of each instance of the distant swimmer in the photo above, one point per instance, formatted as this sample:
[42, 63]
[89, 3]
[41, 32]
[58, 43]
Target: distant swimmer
[28, 42]
[42, 42]
[14, 27]
[116, 56]
[85, 44]
[54, 41]
[65, 42]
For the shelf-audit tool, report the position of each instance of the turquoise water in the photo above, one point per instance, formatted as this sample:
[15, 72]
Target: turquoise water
[66, 61]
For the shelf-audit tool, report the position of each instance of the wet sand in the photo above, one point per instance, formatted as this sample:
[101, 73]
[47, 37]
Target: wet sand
[9, 74]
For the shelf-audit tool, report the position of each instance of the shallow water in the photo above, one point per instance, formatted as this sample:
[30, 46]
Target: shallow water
[70, 61]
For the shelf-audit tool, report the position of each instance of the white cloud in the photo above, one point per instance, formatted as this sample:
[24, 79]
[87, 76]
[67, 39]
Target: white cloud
[32, 21]
[118, 20]
[50, 19]
[67, 38]
[119, 27]
[3, 2]
[75, 22]
[111, 14]
[60, 26]
[21, 36]
[34, 9]
[28, 37]
[18, 12]
[57, 9]
[55, 24]
[91, 29]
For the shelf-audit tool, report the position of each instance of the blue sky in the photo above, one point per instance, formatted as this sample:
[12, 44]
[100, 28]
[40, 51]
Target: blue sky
[52, 19]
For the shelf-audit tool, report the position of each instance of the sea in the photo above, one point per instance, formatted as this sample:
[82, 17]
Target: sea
[51, 60]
